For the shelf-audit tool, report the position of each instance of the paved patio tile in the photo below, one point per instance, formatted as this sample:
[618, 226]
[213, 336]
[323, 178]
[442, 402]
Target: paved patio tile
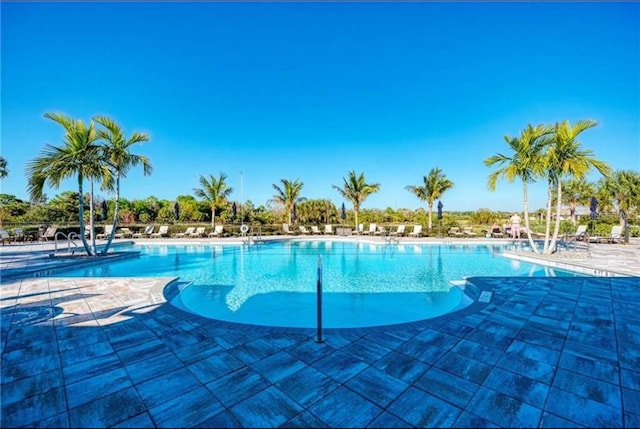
[186, 410]
[307, 385]
[582, 410]
[107, 410]
[337, 409]
[422, 409]
[447, 387]
[504, 410]
[237, 386]
[267, 408]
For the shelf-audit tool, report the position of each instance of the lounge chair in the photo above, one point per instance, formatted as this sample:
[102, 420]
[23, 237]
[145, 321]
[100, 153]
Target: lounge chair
[467, 231]
[4, 236]
[163, 231]
[187, 232]
[49, 234]
[579, 235]
[148, 230]
[615, 236]
[398, 232]
[107, 233]
[303, 229]
[18, 235]
[328, 229]
[217, 231]
[417, 231]
[372, 229]
[286, 229]
[454, 231]
[126, 232]
[199, 232]
[496, 232]
[359, 230]
[315, 230]
[380, 230]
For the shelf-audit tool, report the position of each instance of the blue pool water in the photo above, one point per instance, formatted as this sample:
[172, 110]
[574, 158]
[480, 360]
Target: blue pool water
[275, 284]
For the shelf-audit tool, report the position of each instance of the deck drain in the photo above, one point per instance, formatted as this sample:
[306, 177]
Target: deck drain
[485, 296]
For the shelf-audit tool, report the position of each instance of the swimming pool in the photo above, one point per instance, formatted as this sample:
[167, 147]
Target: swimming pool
[275, 284]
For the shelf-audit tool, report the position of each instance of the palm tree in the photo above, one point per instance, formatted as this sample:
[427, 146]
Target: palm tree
[576, 193]
[215, 192]
[623, 187]
[118, 156]
[288, 195]
[78, 156]
[3, 168]
[566, 159]
[524, 163]
[435, 184]
[356, 190]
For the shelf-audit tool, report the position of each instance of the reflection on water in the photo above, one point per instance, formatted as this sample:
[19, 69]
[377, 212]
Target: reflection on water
[384, 277]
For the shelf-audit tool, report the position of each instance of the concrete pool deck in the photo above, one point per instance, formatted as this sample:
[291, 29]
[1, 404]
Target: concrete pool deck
[110, 352]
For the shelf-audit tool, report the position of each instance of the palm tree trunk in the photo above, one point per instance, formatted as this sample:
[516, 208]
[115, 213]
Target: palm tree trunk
[547, 230]
[213, 217]
[430, 205]
[556, 228]
[81, 215]
[92, 231]
[115, 216]
[525, 193]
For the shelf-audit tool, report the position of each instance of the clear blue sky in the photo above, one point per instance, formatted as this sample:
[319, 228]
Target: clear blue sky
[311, 91]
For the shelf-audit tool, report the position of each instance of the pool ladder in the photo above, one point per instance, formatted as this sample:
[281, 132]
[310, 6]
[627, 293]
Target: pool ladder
[388, 238]
[70, 240]
[254, 235]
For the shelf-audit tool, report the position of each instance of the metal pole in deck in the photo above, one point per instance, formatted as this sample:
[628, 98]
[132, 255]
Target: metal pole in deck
[319, 300]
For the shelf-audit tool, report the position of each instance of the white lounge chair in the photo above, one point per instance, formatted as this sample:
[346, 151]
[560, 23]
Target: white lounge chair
[417, 231]
[579, 235]
[4, 236]
[372, 229]
[107, 233]
[303, 229]
[454, 231]
[126, 232]
[187, 232]
[199, 232]
[148, 230]
[398, 232]
[328, 229]
[615, 236]
[286, 229]
[359, 230]
[49, 234]
[19, 235]
[467, 231]
[315, 230]
[163, 231]
[217, 231]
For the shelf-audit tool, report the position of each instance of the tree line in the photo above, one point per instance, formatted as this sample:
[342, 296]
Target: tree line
[100, 154]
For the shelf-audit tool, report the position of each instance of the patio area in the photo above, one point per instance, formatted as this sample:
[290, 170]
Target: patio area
[111, 352]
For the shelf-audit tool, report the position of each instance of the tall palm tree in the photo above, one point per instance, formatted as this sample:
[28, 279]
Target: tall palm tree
[3, 168]
[118, 156]
[215, 192]
[524, 163]
[288, 195]
[566, 159]
[434, 185]
[79, 156]
[356, 190]
[623, 187]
